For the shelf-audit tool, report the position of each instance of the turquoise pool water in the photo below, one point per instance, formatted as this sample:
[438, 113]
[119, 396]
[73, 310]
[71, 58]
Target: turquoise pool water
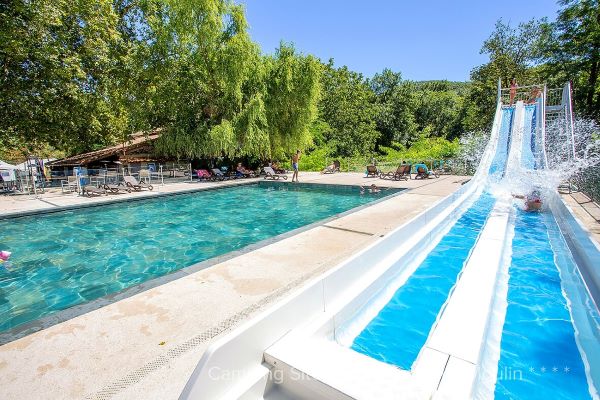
[539, 356]
[397, 334]
[68, 258]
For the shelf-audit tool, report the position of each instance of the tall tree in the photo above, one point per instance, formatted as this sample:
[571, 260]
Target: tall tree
[293, 92]
[200, 56]
[57, 60]
[513, 52]
[348, 108]
[572, 50]
[395, 105]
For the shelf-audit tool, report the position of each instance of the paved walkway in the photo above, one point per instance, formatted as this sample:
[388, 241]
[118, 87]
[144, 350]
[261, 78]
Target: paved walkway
[146, 346]
[587, 211]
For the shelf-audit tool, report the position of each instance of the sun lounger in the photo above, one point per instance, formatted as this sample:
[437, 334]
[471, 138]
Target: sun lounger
[372, 171]
[333, 168]
[218, 175]
[423, 172]
[136, 185]
[202, 174]
[402, 172]
[112, 188]
[442, 167]
[271, 174]
[91, 190]
[244, 173]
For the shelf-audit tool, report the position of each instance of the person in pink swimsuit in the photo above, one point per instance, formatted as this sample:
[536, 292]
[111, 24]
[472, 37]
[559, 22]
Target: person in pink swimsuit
[513, 90]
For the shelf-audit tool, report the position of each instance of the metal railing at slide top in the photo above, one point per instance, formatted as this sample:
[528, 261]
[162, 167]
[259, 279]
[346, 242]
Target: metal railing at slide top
[558, 109]
[522, 93]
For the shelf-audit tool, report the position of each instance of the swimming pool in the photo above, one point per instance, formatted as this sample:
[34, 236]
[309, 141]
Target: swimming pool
[71, 257]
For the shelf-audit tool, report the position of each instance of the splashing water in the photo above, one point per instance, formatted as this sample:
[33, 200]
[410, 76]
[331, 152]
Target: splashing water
[583, 166]
[566, 161]
[472, 147]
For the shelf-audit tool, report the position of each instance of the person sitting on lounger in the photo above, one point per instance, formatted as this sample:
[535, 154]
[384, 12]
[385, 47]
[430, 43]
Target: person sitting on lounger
[241, 170]
[277, 168]
[329, 168]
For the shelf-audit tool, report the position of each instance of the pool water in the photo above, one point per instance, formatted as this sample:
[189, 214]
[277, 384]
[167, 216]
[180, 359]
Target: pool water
[539, 357]
[397, 334]
[67, 258]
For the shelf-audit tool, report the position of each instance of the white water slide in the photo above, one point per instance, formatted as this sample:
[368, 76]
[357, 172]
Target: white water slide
[304, 347]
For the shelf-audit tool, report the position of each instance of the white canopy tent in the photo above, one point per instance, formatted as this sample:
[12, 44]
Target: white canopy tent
[5, 165]
[7, 171]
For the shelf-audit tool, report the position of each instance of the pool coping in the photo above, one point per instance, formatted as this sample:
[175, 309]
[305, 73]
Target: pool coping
[58, 317]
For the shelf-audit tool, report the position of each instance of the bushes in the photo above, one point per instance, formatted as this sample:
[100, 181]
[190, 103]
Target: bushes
[316, 160]
[423, 149]
[435, 148]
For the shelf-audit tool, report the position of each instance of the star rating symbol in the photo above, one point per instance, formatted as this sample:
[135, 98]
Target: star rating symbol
[543, 369]
[554, 369]
[566, 369]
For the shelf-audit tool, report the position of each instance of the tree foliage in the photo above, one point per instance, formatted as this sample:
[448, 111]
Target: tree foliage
[293, 92]
[395, 104]
[571, 51]
[348, 108]
[512, 53]
[78, 75]
[57, 59]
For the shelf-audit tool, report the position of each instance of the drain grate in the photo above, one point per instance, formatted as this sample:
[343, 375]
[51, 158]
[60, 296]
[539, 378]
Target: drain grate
[113, 388]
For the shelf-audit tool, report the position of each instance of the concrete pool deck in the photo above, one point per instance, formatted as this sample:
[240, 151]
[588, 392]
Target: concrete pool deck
[586, 210]
[147, 345]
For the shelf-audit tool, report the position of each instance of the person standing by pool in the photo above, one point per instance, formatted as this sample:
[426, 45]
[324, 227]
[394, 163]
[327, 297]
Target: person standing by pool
[295, 160]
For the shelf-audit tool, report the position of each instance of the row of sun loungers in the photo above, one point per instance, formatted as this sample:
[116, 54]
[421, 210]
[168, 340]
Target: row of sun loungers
[403, 172]
[128, 185]
[216, 174]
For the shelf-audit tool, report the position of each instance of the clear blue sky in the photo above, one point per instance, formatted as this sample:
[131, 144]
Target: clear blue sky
[422, 39]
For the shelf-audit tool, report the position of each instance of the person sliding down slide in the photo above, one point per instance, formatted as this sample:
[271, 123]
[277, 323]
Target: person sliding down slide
[533, 201]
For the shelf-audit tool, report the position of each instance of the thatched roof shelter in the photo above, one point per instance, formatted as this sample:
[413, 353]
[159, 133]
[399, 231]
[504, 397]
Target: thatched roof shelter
[138, 148]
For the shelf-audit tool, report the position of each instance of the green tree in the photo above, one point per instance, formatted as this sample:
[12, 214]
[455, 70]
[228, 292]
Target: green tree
[395, 105]
[200, 56]
[57, 60]
[571, 48]
[293, 85]
[513, 52]
[348, 108]
[439, 113]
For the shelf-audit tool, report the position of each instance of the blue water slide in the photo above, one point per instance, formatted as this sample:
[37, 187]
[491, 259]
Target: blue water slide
[528, 147]
[498, 164]
[397, 334]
